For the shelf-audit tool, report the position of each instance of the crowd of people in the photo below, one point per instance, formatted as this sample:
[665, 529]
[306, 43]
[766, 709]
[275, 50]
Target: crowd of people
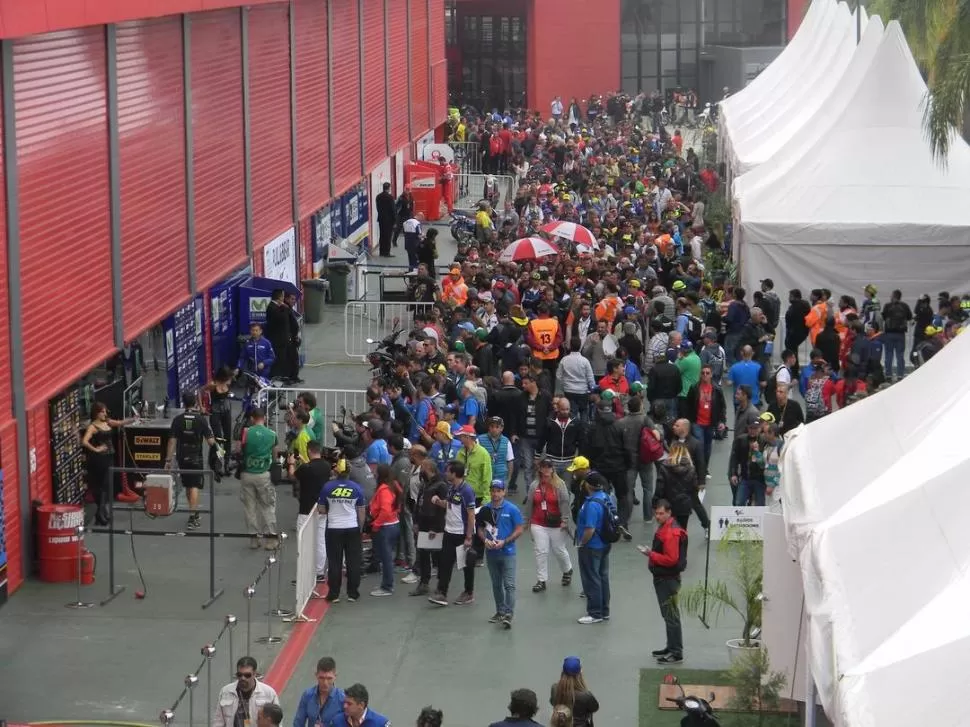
[250, 701]
[567, 397]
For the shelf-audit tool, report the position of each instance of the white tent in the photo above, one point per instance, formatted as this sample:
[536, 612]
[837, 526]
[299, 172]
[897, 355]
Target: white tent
[759, 134]
[867, 203]
[875, 508]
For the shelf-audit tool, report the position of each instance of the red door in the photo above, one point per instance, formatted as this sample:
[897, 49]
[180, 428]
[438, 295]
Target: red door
[312, 104]
[62, 155]
[217, 152]
[345, 81]
[269, 113]
[375, 102]
[151, 130]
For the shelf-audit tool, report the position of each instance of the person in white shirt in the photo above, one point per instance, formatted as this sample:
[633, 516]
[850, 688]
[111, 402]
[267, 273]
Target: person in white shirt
[246, 696]
[697, 245]
[557, 108]
[575, 379]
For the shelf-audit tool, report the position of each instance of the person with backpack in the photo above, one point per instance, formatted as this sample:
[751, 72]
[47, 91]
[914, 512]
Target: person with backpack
[667, 560]
[597, 528]
[812, 386]
[896, 316]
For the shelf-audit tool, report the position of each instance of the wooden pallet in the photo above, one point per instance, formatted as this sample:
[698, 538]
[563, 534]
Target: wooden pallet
[723, 696]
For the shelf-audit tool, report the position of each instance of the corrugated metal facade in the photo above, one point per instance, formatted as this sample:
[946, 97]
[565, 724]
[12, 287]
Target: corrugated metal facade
[5, 403]
[151, 131]
[398, 65]
[312, 106]
[269, 110]
[217, 153]
[11, 504]
[62, 150]
[439, 64]
[420, 92]
[375, 86]
[345, 84]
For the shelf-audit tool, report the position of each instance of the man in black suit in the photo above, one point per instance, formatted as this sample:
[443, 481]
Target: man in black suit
[386, 217]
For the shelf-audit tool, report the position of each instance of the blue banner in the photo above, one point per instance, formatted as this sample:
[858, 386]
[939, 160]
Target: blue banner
[355, 207]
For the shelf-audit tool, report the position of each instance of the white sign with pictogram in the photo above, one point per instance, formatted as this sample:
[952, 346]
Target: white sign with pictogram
[737, 523]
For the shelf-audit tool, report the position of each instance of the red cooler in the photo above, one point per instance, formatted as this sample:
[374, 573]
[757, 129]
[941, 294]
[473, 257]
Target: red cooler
[58, 544]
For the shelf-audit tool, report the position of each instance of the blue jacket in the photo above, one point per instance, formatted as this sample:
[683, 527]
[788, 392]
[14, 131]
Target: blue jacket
[310, 712]
[256, 352]
[371, 719]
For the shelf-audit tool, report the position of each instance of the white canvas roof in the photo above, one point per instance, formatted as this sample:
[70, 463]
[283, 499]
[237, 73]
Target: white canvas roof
[875, 508]
[867, 203]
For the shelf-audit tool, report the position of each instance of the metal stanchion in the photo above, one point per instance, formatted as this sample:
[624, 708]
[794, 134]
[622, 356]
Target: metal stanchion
[208, 651]
[279, 610]
[231, 626]
[269, 638]
[166, 717]
[79, 533]
[249, 593]
[191, 681]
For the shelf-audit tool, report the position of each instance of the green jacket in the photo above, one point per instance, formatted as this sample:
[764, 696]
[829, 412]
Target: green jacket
[690, 371]
[258, 449]
[478, 470]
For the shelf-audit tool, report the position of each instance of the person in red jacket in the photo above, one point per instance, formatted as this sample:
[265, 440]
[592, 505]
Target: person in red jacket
[385, 513]
[668, 558]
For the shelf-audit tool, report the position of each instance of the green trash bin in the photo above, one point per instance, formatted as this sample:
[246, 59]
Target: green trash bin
[314, 298]
[337, 275]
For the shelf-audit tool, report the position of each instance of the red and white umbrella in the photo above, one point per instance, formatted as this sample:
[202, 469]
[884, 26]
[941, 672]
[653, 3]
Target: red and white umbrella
[571, 231]
[528, 248]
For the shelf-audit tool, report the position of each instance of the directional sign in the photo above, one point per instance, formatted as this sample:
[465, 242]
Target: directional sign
[737, 523]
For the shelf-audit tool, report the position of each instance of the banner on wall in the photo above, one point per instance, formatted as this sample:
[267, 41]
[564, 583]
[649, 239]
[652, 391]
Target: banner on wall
[420, 144]
[280, 259]
[355, 208]
[321, 228]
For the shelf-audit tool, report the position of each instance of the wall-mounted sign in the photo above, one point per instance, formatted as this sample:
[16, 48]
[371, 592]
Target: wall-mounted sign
[279, 258]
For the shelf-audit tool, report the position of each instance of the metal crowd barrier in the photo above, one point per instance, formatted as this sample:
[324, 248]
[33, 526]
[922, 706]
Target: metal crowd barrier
[335, 405]
[307, 536]
[375, 320]
[471, 189]
[468, 156]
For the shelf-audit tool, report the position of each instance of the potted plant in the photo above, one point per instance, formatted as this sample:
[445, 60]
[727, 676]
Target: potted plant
[740, 593]
[756, 688]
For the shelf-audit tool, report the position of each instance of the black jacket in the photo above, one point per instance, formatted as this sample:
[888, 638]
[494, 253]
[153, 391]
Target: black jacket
[677, 484]
[386, 212]
[561, 441]
[543, 405]
[740, 464]
[430, 517]
[604, 445]
[718, 405]
[795, 329]
[789, 417]
[507, 403]
[696, 450]
[584, 706]
[828, 342]
[663, 382]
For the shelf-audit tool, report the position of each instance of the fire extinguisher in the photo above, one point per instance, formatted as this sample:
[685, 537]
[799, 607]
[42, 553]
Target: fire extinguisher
[88, 565]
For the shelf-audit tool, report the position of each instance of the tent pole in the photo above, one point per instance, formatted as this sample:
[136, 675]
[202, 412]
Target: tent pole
[811, 698]
[858, 22]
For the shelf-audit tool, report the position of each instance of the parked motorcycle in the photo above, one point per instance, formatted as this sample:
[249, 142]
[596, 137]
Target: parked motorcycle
[698, 711]
[462, 227]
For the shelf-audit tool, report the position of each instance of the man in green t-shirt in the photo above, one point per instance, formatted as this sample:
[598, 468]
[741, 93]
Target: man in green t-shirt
[309, 403]
[259, 451]
[478, 463]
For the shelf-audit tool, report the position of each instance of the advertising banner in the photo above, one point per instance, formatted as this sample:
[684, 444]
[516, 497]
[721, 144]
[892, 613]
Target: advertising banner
[321, 227]
[185, 349]
[355, 208]
[280, 258]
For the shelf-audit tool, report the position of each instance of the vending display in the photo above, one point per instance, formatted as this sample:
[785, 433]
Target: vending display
[184, 349]
[67, 455]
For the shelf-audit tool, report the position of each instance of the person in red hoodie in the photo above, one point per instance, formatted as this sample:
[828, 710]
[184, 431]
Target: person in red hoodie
[614, 380]
[668, 559]
[385, 516]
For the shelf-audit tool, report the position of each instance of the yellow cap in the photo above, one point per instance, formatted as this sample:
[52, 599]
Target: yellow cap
[578, 463]
[444, 428]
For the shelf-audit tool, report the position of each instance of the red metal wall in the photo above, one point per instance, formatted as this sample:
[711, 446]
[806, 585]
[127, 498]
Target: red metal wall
[555, 24]
[375, 102]
[269, 110]
[62, 152]
[796, 13]
[345, 81]
[11, 503]
[420, 91]
[312, 106]
[398, 63]
[438, 62]
[217, 154]
[151, 129]
[6, 408]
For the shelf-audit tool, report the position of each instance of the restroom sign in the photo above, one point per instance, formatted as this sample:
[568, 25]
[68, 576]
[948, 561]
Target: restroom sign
[737, 523]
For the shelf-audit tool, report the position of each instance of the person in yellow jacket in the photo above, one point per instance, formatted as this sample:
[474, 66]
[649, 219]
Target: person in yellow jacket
[478, 463]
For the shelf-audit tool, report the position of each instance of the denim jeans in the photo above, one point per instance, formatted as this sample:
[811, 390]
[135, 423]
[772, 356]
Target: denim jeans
[525, 454]
[894, 345]
[385, 542]
[750, 490]
[407, 544]
[667, 589]
[730, 348]
[579, 405]
[501, 568]
[594, 570]
[705, 435]
[648, 481]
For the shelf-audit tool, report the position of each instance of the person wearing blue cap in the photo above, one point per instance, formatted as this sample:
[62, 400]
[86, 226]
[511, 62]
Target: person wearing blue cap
[499, 525]
[571, 691]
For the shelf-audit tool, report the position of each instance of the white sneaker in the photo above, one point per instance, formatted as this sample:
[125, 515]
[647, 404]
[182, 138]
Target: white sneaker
[586, 620]
[380, 592]
[411, 578]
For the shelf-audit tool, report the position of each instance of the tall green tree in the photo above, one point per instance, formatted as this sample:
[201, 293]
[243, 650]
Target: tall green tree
[938, 32]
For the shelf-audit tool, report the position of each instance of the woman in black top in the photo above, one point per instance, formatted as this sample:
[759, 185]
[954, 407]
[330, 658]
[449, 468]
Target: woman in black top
[220, 418]
[99, 448]
[571, 691]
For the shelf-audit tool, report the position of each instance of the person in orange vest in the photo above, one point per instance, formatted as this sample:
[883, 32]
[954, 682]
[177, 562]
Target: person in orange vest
[815, 320]
[608, 308]
[544, 336]
[454, 291]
